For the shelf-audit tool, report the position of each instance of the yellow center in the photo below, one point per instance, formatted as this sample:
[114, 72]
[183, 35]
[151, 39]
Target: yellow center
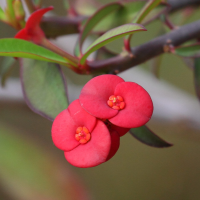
[82, 135]
[116, 102]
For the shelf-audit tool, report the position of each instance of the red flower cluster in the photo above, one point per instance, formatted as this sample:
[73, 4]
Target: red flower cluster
[89, 130]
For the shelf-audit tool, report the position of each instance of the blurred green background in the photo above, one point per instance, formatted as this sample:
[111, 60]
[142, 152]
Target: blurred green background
[31, 167]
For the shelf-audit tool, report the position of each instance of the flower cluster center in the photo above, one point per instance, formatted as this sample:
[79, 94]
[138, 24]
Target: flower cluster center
[82, 135]
[116, 102]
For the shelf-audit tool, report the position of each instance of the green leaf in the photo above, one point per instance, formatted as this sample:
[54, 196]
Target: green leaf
[160, 9]
[110, 36]
[145, 135]
[104, 53]
[146, 10]
[97, 17]
[197, 76]
[155, 65]
[184, 16]
[85, 8]
[93, 21]
[6, 69]
[37, 3]
[121, 16]
[10, 10]
[77, 48]
[189, 50]
[132, 8]
[152, 9]
[44, 87]
[2, 15]
[21, 48]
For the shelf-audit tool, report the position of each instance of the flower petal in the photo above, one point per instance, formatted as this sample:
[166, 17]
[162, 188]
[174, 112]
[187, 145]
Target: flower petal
[35, 18]
[95, 94]
[93, 152]
[65, 125]
[33, 25]
[22, 34]
[63, 131]
[138, 106]
[80, 116]
[120, 130]
[115, 142]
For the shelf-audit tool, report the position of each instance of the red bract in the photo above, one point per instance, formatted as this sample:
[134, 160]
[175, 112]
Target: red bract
[125, 104]
[85, 140]
[32, 31]
[120, 130]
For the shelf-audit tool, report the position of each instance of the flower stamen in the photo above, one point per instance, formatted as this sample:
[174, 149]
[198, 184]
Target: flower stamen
[116, 102]
[82, 135]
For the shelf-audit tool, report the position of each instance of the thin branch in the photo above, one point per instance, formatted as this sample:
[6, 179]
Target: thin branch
[57, 26]
[148, 50]
[179, 4]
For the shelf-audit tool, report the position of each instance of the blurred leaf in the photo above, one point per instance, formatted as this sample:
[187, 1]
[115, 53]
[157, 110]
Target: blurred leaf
[44, 87]
[10, 10]
[28, 172]
[124, 15]
[37, 3]
[197, 76]
[146, 136]
[141, 12]
[159, 10]
[189, 62]
[146, 10]
[86, 7]
[110, 36]
[184, 15]
[96, 17]
[77, 50]
[166, 22]
[21, 48]
[66, 4]
[121, 16]
[110, 21]
[189, 50]
[152, 9]
[155, 65]
[6, 69]
[104, 53]
[132, 8]
[2, 14]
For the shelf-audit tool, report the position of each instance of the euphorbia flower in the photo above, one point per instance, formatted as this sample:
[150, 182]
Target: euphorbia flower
[32, 31]
[124, 104]
[86, 140]
[120, 130]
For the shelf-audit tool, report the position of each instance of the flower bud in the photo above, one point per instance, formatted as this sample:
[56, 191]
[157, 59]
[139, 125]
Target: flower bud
[18, 10]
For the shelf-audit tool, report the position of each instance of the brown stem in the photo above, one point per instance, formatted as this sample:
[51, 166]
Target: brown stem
[148, 50]
[168, 23]
[56, 26]
[179, 4]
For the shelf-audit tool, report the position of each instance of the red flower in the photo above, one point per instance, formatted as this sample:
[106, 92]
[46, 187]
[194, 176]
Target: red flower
[120, 130]
[32, 31]
[125, 104]
[85, 140]
[89, 130]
